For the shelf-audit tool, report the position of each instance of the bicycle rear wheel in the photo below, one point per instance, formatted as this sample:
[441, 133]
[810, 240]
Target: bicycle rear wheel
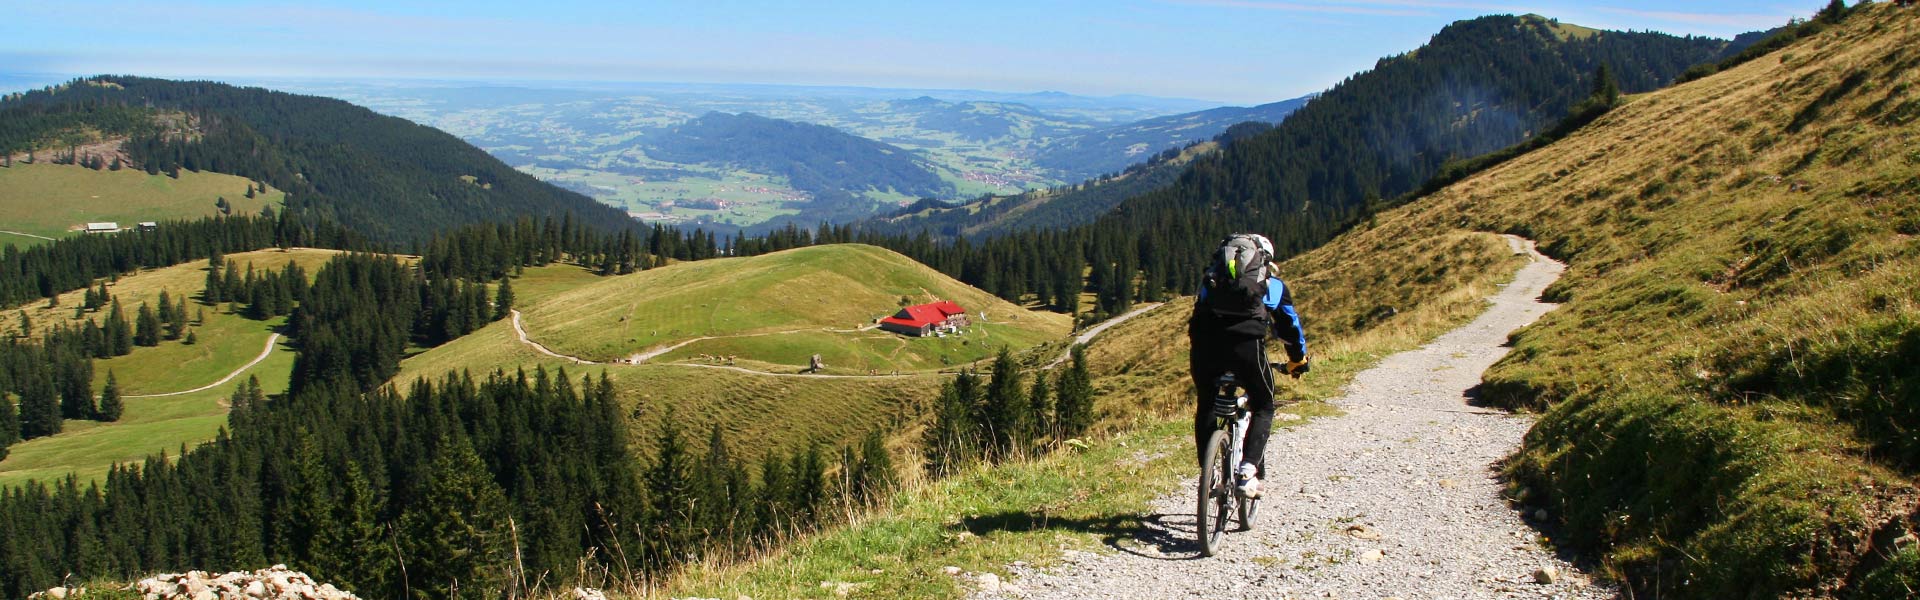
[1215, 494]
[1248, 508]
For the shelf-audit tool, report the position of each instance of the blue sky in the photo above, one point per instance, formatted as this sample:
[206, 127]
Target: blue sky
[1238, 51]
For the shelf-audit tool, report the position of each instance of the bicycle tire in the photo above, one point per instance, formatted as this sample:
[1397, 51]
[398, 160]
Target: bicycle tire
[1215, 493]
[1249, 507]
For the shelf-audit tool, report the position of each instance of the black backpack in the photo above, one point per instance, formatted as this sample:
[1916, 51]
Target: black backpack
[1236, 279]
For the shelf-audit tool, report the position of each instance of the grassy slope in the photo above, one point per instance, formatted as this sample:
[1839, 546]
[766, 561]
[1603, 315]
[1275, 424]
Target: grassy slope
[988, 517]
[51, 200]
[150, 425]
[778, 412]
[1729, 392]
[788, 302]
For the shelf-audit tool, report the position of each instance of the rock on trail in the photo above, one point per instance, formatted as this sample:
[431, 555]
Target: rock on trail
[1396, 498]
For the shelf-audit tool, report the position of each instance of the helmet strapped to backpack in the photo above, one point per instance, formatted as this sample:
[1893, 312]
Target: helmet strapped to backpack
[1236, 279]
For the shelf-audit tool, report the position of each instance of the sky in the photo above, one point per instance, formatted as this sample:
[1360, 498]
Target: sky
[1230, 51]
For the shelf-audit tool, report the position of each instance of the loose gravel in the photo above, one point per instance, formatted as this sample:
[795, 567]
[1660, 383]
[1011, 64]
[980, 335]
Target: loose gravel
[1397, 498]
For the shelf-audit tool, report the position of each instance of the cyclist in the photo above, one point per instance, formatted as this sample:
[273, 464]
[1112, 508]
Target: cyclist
[1229, 335]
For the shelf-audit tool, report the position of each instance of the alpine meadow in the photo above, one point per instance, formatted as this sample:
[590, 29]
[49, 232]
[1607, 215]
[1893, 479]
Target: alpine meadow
[679, 300]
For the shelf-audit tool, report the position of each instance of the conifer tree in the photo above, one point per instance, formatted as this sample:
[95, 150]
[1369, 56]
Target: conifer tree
[178, 324]
[192, 338]
[1073, 398]
[1003, 413]
[119, 333]
[39, 408]
[73, 377]
[1040, 408]
[9, 424]
[110, 404]
[950, 442]
[26, 324]
[214, 291]
[503, 299]
[876, 476]
[670, 495]
[173, 317]
[146, 327]
[454, 538]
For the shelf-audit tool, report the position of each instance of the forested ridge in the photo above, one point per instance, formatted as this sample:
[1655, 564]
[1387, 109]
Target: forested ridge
[1478, 86]
[814, 158]
[385, 178]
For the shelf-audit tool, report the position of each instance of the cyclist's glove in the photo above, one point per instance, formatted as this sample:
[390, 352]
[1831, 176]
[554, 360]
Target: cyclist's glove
[1297, 368]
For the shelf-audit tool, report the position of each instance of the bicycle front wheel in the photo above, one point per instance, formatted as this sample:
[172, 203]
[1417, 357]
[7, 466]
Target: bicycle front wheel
[1215, 494]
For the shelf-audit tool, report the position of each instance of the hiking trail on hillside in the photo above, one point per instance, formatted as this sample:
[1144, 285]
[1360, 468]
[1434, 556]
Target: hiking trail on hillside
[1398, 497]
[264, 353]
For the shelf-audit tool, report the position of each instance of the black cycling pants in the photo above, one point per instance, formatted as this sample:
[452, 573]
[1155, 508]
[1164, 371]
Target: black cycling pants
[1247, 360]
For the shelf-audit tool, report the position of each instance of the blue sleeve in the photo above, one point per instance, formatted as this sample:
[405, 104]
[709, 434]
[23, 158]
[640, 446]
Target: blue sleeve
[1286, 322]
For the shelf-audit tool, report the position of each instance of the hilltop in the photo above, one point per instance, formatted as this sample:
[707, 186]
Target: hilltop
[386, 178]
[778, 309]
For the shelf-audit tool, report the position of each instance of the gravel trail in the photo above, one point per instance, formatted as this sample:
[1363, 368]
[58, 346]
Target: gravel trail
[1395, 499]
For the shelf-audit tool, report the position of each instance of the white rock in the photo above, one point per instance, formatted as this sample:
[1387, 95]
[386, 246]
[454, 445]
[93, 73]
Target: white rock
[588, 594]
[1546, 575]
[950, 570]
[1373, 555]
[989, 583]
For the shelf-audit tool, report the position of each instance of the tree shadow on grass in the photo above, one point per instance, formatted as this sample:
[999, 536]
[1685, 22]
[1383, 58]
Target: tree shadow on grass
[1156, 536]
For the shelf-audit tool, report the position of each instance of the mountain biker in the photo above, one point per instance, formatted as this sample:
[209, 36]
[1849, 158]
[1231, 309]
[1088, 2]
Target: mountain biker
[1227, 338]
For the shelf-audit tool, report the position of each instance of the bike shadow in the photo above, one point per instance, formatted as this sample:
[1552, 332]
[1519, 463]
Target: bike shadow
[1156, 536]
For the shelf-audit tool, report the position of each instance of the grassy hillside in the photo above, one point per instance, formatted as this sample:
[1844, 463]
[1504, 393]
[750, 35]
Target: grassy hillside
[52, 200]
[778, 309]
[1729, 391]
[225, 343]
[772, 312]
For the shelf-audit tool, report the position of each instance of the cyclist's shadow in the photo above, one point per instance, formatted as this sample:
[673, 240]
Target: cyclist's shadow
[1155, 536]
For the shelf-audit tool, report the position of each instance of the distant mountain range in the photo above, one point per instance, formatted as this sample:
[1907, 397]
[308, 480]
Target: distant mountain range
[1107, 150]
[813, 158]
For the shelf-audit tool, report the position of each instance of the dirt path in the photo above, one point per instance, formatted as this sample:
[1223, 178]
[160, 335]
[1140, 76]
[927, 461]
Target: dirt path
[1410, 463]
[522, 332]
[1090, 333]
[29, 235]
[264, 353]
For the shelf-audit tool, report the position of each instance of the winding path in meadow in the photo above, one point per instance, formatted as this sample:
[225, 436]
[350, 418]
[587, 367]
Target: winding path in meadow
[264, 353]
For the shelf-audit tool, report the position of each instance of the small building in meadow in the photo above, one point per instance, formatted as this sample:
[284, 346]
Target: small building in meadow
[107, 227]
[926, 319]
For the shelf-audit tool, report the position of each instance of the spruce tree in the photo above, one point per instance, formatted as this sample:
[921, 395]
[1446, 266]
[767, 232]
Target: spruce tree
[119, 334]
[876, 476]
[39, 406]
[216, 287]
[110, 404]
[1040, 408]
[26, 324]
[172, 322]
[503, 299]
[74, 380]
[1073, 398]
[146, 327]
[1004, 409]
[454, 536]
[950, 442]
[670, 495]
[9, 424]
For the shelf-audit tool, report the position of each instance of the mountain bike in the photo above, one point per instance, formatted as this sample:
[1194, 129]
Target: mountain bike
[1219, 498]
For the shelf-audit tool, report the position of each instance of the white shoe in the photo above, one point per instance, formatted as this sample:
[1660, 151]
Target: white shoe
[1249, 482]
